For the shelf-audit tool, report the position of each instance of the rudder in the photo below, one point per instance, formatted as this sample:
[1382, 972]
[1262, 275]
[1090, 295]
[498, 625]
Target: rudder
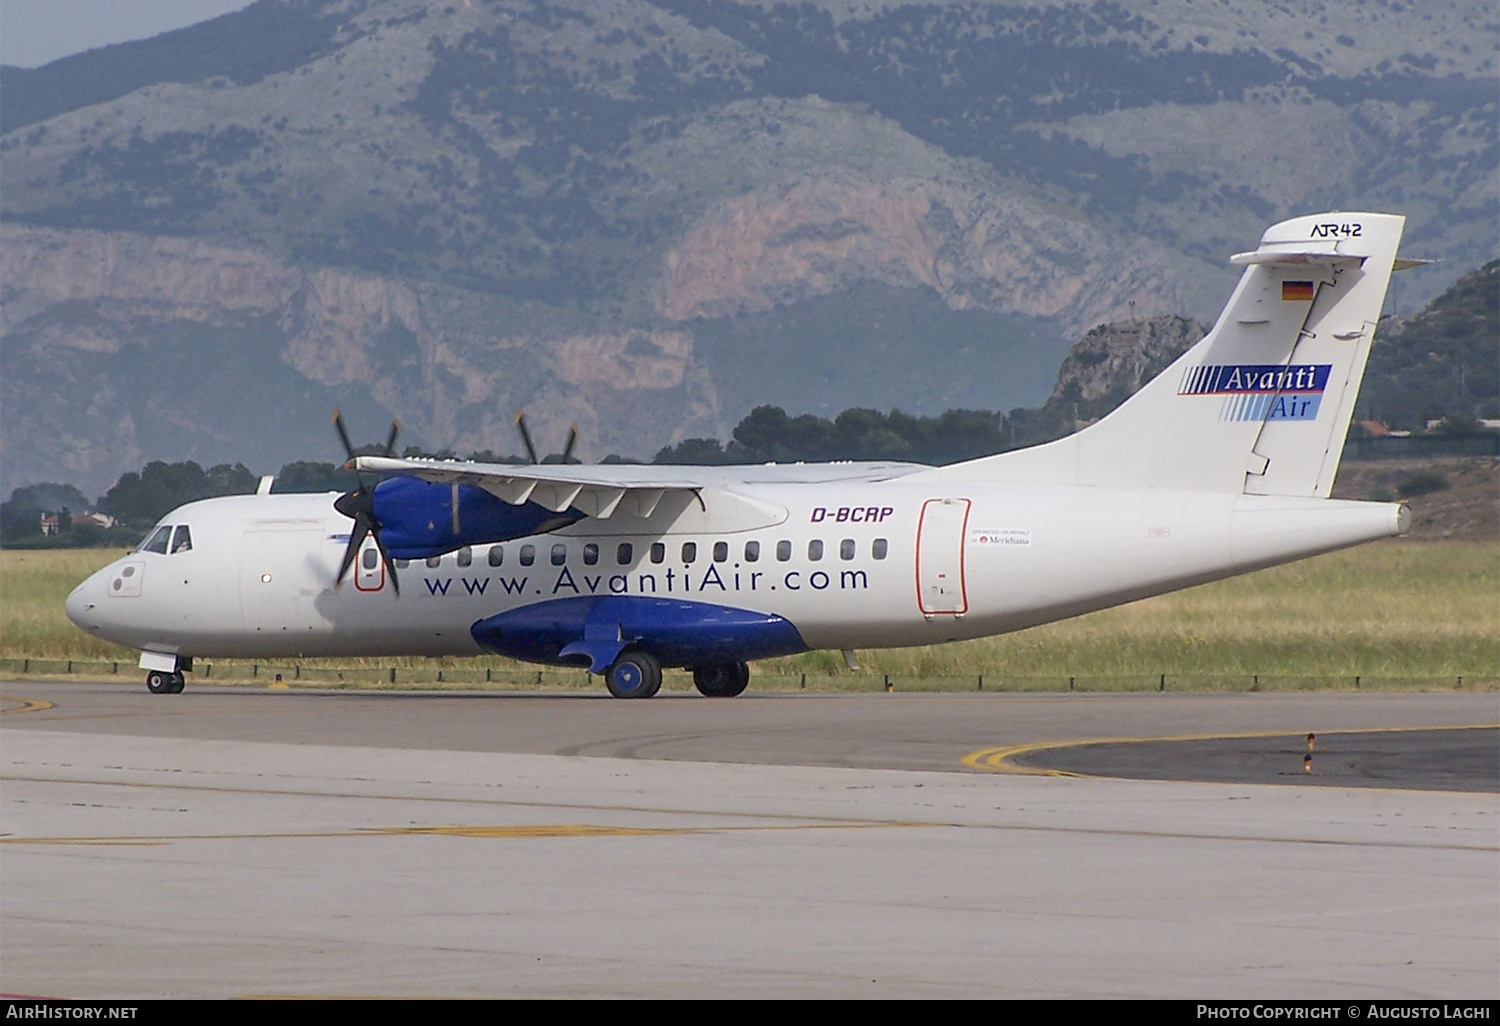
[1262, 404]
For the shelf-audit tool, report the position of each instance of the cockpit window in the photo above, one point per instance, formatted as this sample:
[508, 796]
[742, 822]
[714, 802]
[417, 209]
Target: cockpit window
[157, 542]
[182, 541]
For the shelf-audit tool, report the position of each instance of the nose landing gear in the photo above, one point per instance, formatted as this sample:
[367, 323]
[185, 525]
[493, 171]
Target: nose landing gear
[160, 682]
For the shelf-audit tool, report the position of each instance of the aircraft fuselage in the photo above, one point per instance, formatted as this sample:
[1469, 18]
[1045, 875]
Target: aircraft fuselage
[870, 565]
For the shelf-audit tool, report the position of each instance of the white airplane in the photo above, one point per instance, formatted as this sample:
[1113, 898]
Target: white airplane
[1221, 465]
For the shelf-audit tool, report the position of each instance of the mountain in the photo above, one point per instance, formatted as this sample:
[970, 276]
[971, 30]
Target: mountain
[650, 216]
[1442, 362]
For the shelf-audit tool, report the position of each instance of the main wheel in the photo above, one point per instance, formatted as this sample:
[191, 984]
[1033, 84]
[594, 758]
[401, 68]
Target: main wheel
[159, 682]
[634, 675]
[176, 683]
[721, 680]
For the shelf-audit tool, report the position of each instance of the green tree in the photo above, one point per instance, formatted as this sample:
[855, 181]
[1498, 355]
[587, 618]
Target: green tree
[21, 514]
[140, 499]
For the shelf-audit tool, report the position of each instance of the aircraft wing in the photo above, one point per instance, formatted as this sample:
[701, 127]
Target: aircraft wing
[597, 490]
[602, 490]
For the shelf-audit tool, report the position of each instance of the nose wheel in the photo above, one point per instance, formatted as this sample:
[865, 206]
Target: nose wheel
[159, 682]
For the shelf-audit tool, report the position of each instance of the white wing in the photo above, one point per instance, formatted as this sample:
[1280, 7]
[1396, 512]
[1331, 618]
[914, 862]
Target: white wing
[603, 490]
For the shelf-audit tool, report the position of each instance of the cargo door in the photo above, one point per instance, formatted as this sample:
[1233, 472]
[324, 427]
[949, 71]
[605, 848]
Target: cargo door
[282, 573]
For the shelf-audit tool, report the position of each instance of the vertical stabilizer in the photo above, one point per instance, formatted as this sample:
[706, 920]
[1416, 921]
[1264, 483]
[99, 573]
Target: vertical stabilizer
[1262, 404]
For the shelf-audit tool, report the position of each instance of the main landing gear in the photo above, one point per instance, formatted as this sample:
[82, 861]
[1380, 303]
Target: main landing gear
[160, 682]
[634, 675]
[721, 680]
[637, 674]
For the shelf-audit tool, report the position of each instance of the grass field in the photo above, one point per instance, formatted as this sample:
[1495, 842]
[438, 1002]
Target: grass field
[1391, 610]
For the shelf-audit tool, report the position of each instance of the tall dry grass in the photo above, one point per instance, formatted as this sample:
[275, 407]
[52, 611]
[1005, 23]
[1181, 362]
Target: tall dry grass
[1391, 609]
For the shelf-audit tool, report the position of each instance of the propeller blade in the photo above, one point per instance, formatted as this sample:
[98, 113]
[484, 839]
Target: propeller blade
[351, 551]
[455, 509]
[572, 440]
[526, 436]
[359, 506]
[338, 423]
[390, 566]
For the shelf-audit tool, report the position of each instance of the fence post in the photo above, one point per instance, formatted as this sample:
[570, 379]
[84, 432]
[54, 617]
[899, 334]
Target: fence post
[981, 683]
[1163, 682]
[1070, 684]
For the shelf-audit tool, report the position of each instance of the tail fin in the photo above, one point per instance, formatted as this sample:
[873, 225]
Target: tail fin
[1262, 404]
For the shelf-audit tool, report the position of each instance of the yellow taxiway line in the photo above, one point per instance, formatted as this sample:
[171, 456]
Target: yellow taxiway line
[997, 760]
[27, 705]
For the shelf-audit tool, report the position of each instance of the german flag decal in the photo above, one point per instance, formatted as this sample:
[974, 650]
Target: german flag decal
[1297, 291]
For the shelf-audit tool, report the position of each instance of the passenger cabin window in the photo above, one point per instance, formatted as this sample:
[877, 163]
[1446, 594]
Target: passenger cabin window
[497, 555]
[590, 554]
[721, 551]
[752, 552]
[528, 555]
[814, 550]
[846, 548]
[559, 554]
[434, 561]
[158, 541]
[624, 554]
[689, 551]
[783, 550]
[182, 541]
[402, 564]
[658, 552]
[465, 556]
[878, 550]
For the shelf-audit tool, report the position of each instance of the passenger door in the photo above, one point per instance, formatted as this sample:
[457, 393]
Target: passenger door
[940, 557]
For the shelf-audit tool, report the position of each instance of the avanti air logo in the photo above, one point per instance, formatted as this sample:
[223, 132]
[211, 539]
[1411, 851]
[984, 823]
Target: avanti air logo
[1261, 391]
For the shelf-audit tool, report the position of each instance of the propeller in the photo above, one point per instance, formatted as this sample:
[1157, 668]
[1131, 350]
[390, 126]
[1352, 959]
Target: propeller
[567, 453]
[359, 506]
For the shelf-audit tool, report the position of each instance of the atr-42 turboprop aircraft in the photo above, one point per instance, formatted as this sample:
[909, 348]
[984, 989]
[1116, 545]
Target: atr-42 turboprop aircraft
[1221, 465]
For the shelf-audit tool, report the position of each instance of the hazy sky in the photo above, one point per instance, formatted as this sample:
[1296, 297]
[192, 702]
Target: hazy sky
[34, 32]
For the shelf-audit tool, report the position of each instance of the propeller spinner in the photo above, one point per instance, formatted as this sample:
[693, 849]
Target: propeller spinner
[359, 506]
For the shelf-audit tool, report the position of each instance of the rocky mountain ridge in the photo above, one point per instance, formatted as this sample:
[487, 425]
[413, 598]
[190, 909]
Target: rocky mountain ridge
[651, 216]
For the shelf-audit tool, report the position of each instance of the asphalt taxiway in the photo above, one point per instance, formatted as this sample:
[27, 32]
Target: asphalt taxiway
[230, 842]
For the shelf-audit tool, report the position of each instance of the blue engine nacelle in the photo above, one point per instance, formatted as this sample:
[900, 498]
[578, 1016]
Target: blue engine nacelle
[416, 517]
[595, 629]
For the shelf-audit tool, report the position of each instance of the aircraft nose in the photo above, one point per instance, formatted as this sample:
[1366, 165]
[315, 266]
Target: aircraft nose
[82, 604]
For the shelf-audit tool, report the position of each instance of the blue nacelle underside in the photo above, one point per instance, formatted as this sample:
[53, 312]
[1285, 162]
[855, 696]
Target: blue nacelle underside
[416, 518]
[595, 629]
